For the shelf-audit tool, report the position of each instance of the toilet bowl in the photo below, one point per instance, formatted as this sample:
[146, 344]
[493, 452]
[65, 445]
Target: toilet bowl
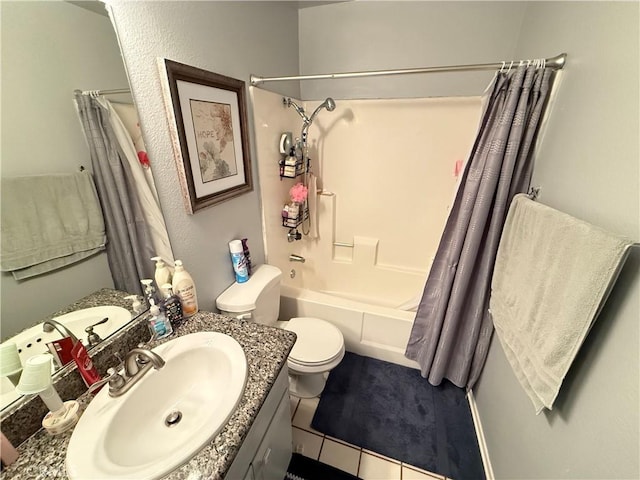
[319, 348]
[319, 345]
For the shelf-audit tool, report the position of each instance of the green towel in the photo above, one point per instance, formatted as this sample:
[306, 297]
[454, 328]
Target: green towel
[48, 222]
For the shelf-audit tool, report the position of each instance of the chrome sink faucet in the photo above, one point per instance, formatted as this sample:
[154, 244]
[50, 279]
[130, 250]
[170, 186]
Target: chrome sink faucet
[49, 325]
[139, 360]
[136, 364]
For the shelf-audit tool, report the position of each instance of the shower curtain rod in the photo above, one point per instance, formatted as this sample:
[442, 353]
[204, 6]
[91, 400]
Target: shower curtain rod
[555, 63]
[106, 92]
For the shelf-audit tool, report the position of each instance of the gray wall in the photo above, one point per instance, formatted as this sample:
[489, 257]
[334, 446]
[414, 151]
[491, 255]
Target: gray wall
[230, 38]
[587, 166]
[360, 36]
[49, 49]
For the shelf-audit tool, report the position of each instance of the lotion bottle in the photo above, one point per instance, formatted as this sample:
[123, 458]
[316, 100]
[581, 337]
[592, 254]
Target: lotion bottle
[184, 287]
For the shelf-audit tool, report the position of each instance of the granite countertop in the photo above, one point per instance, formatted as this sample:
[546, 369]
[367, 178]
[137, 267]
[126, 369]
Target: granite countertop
[42, 456]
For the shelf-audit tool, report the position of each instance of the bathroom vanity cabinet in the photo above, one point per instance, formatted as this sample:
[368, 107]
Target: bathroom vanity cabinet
[266, 451]
[255, 444]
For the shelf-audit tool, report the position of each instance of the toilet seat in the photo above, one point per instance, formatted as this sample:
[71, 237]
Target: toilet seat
[319, 343]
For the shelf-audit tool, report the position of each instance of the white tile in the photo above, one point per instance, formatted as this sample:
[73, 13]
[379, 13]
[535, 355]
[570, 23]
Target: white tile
[294, 404]
[377, 468]
[306, 443]
[415, 473]
[343, 442]
[304, 413]
[340, 456]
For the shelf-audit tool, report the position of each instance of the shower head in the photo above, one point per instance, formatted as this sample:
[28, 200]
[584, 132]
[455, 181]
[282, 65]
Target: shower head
[329, 104]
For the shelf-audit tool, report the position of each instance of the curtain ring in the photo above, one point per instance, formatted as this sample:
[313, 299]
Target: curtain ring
[502, 67]
[510, 65]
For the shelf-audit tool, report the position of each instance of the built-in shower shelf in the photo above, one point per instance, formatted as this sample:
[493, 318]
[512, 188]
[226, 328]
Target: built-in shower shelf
[290, 169]
[293, 222]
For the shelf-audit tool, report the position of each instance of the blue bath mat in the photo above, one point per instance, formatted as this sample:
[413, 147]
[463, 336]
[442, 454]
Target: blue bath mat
[392, 410]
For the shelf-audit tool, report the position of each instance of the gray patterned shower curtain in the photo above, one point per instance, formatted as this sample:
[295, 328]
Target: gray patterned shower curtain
[129, 244]
[452, 329]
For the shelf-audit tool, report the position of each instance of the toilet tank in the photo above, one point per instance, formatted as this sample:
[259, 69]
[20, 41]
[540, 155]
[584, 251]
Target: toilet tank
[260, 296]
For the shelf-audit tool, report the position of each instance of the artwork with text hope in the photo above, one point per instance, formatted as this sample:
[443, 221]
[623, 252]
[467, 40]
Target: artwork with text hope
[214, 139]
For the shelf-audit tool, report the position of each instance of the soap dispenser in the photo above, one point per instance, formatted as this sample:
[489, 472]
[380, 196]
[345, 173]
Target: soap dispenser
[163, 273]
[171, 305]
[149, 291]
[158, 323]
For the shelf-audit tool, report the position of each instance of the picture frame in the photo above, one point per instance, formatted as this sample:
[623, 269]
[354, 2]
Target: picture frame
[208, 121]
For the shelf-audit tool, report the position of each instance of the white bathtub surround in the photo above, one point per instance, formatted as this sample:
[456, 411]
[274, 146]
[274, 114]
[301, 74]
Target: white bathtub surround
[382, 191]
[371, 330]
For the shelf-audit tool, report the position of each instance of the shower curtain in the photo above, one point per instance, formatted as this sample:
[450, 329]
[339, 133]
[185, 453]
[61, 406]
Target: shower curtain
[452, 329]
[134, 224]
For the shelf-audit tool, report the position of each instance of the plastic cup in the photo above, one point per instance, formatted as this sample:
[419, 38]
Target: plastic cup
[36, 376]
[9, 359]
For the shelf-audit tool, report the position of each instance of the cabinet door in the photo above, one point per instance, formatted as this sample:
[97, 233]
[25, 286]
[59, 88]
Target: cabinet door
[273, 455]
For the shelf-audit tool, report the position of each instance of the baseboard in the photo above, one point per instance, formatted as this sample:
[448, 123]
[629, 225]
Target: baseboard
[484, 452]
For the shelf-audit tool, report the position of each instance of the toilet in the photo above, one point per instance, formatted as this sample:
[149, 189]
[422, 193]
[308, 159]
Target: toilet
[319, 346]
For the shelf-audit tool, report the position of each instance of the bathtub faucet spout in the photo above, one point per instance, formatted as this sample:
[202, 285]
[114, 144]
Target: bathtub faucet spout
[296, 258]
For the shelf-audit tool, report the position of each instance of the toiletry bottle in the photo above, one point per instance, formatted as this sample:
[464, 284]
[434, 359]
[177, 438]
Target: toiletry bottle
[85, 366]
[158, 323]
[184, 287]
[171, 305]
[149, 291]
[247, 256]
[163, 273]
[239, 261]
[136, 304]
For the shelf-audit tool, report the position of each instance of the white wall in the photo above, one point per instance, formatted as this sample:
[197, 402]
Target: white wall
[230, 38]
[49, 49]
[383, 35]
[587, 166]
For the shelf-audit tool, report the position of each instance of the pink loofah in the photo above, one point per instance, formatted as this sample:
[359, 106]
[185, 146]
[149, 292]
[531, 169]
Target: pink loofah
[298, 193]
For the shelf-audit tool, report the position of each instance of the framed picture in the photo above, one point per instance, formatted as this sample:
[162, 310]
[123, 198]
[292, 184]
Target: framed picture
[210, 139]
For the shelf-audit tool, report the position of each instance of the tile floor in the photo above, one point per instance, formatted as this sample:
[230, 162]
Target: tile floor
[350, 458]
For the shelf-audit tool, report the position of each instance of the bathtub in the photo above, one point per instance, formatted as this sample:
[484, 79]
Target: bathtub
[369, 329]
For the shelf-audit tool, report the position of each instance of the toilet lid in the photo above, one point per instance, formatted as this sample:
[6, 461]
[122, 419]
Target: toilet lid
[318, 341]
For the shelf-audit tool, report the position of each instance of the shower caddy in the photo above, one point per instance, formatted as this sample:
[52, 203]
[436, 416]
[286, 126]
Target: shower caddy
[293, 169]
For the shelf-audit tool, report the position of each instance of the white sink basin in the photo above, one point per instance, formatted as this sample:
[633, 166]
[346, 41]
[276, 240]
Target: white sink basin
[127, 437]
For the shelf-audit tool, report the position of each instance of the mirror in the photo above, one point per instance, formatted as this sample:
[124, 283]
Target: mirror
[49, 50]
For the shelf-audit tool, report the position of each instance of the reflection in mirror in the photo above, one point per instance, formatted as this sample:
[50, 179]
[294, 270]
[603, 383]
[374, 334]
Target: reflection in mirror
[51, 49]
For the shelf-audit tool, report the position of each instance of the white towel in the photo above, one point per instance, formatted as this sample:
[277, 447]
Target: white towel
[552, 274]
[48, 222]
